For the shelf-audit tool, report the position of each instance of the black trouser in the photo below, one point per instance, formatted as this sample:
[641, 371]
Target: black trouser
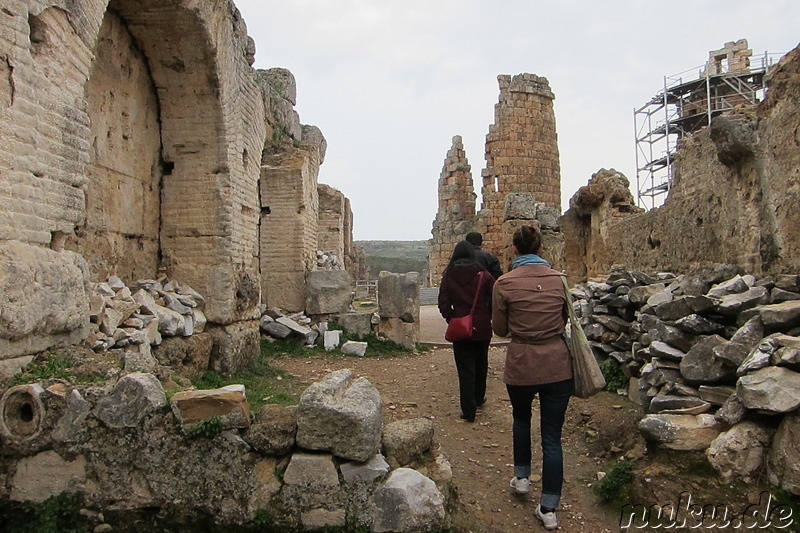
[472, 364]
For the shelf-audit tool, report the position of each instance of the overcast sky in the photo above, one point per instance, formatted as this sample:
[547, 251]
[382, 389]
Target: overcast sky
[390, 82]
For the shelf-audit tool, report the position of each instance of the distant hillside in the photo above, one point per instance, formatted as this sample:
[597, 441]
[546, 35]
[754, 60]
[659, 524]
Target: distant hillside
[395, 256]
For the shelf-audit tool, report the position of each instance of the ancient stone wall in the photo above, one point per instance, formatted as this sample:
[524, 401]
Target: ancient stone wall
[332, 220]
[456, 215]
[521, 152]
[133, 136]
[521, 181]
[289, 224]
[120, 232]
[203, 460]
[734, 190]
[600, 204]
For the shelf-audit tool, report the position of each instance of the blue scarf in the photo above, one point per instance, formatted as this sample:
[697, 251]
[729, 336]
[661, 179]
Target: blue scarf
[528, 259]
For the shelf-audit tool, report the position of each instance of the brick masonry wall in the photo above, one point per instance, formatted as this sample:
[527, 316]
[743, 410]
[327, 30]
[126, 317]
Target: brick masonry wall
[456, 214]
[521, 157]
[73, 156]
[289, 225]
[332, 219]
[120, 231]
[521, 153]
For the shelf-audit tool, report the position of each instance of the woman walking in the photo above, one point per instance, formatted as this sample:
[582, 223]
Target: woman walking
[461, 281]
[529, 305]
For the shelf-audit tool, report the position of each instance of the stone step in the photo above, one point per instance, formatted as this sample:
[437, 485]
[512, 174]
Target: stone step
[428, 295]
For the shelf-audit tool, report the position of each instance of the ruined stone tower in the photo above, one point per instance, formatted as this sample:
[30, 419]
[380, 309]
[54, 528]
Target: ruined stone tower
[521, 181]
[521, 153]
[456, 215]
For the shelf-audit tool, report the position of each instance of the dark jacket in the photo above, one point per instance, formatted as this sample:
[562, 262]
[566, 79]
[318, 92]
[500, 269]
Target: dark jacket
[529, 305]
[456, 292]
[488, 261]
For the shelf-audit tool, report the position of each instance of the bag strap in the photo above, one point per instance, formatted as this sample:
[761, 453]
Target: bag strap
[570, 310]
[477, 292]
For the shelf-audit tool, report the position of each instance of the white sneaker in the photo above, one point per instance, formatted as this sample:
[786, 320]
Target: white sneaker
[549, 520]
[521, 485]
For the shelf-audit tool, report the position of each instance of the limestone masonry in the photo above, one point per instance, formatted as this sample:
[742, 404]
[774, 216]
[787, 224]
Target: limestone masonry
[520, 184]
[139, 142]
[734, 188]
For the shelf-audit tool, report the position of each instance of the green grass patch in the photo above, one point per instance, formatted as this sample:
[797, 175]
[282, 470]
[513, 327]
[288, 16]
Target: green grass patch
[376, 346]
[612, 371]
[263, 384]
[52, 366]
[616, 486]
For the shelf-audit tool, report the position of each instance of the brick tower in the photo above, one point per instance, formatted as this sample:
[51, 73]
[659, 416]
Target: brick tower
[521, 154]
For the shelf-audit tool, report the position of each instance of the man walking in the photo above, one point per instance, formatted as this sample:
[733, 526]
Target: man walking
[486, 259]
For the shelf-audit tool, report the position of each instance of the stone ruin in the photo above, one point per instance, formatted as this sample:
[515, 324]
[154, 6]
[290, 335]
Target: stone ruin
[327, 462]
[521, 183]
[140, 143]
[734, 188]
[734, 185]
[713, 358]
[709, 354]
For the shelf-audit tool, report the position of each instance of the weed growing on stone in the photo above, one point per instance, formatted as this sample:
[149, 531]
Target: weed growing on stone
[615, 379]
[54, 367]
[207, 429]
[616, 486]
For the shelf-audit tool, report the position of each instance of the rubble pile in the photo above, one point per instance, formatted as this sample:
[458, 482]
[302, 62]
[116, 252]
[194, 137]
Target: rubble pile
[326, 463]
[277, 325]
[328, 260]
[713, 358]
[139, 316]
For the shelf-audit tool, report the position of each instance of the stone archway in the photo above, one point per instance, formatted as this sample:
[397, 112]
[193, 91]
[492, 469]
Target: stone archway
[168, 186]
[120, 231]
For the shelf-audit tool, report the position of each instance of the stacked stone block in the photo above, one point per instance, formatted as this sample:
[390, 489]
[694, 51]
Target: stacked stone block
[289, 225]
[398, 307]
[332, 219]
[456, 215]
[134, 137]
[521, 152]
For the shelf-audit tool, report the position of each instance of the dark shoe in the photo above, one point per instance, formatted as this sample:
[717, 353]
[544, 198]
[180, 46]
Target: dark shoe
[468, 418]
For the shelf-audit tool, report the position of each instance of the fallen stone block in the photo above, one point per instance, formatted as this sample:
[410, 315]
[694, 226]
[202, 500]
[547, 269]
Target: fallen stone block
[354, 348]
[228, 403]
[341, 415]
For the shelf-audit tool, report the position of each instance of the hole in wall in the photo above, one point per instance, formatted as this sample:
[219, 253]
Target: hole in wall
[25, 412]
[38, 33]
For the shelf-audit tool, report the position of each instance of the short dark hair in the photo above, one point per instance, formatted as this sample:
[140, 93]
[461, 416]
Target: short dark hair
[527, 239]
[474, 238]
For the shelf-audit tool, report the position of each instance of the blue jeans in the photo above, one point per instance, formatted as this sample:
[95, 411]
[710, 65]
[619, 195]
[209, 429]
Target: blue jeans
[553, 400]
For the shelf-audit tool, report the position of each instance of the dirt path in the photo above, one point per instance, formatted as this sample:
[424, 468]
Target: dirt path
[425, 385]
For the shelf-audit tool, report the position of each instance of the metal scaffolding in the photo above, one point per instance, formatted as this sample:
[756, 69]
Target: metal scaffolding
[688, 102]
